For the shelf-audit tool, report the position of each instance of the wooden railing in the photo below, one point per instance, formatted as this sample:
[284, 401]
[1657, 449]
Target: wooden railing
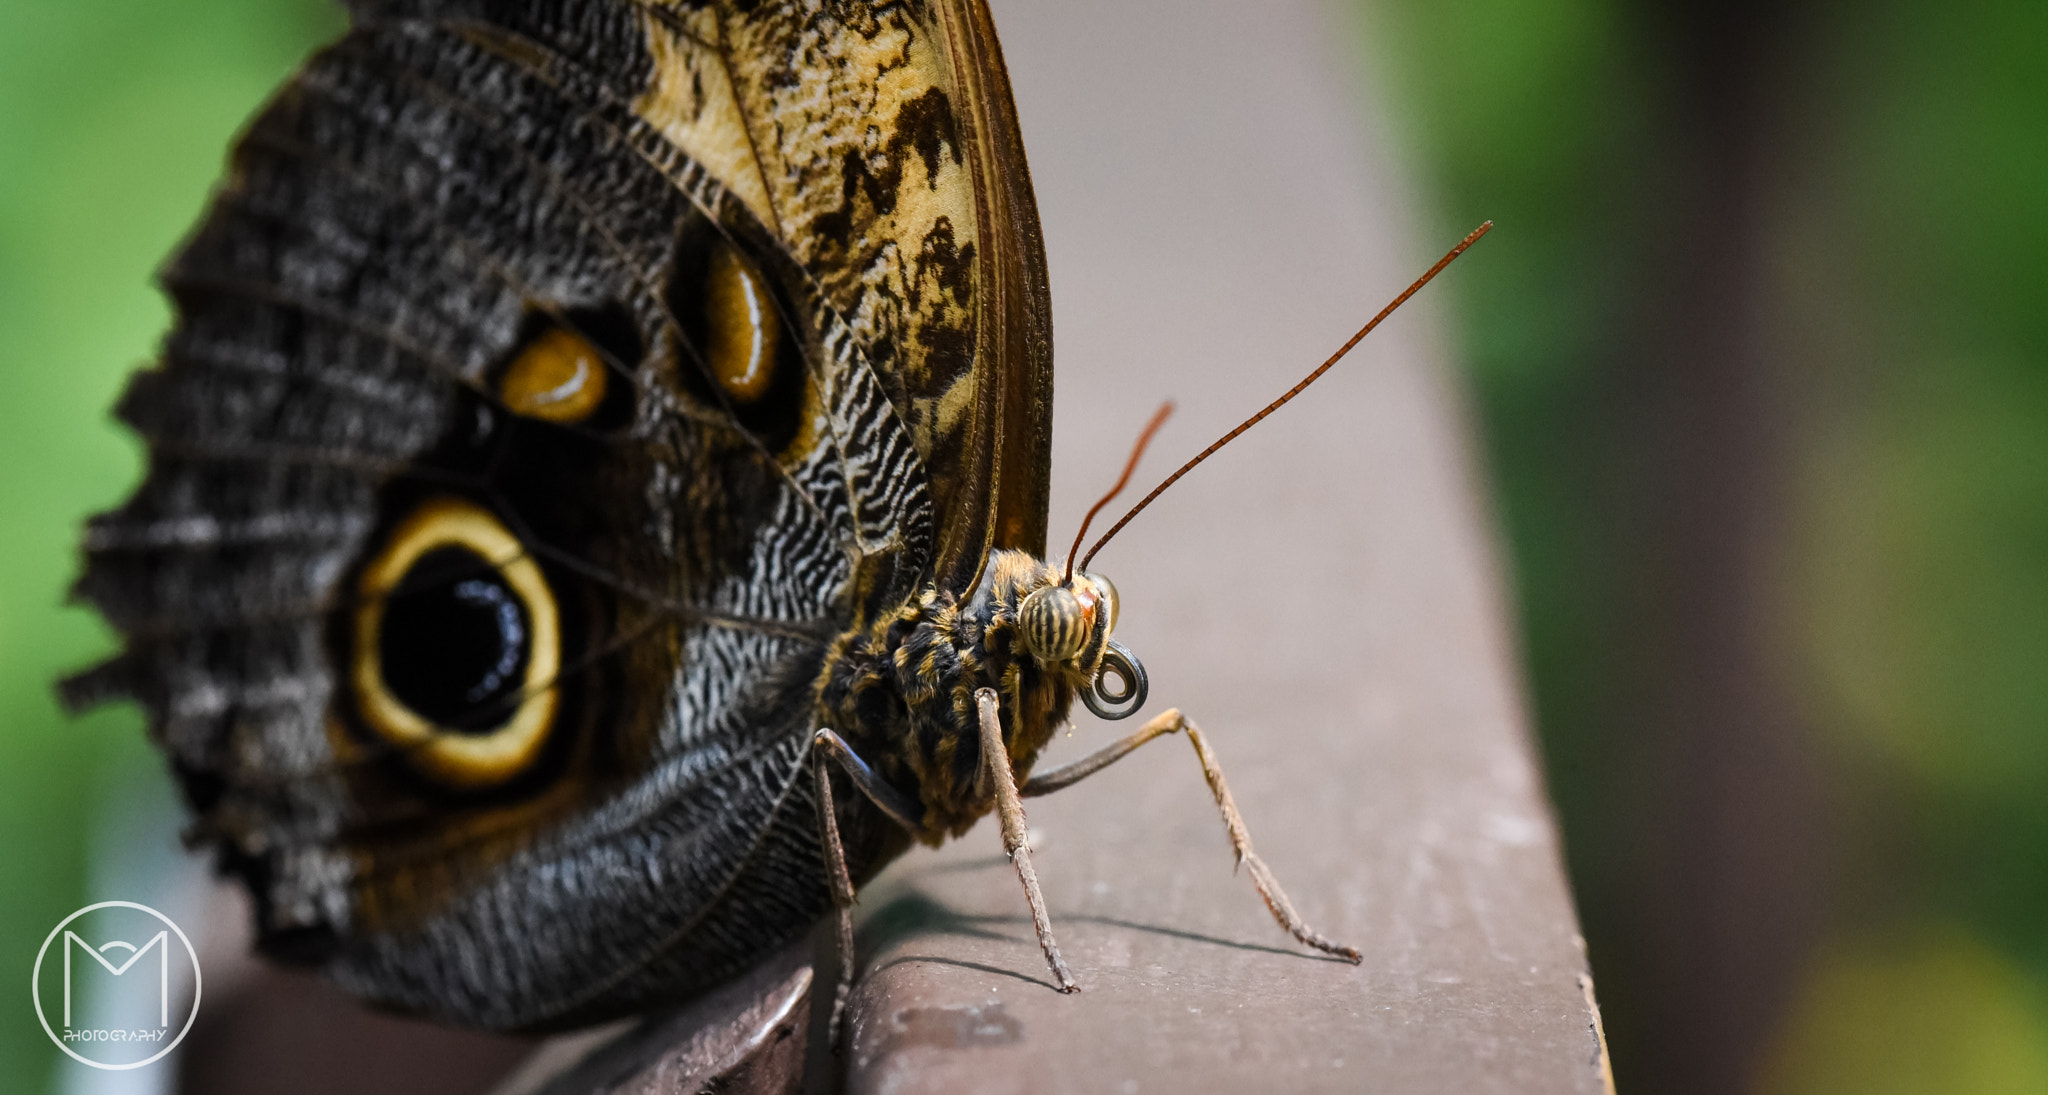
[1323, 599]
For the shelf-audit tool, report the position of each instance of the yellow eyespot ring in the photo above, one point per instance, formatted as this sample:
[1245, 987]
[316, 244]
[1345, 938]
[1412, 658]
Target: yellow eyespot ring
[462, 759]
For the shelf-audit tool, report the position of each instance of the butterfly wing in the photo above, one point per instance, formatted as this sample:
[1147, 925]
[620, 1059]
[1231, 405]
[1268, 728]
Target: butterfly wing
[889, 157]
[552, 383]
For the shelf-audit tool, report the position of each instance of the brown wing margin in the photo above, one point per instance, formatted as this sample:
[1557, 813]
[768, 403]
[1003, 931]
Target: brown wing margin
[1006, 474]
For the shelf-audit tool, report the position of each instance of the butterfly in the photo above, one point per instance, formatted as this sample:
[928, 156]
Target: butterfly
[596, 510]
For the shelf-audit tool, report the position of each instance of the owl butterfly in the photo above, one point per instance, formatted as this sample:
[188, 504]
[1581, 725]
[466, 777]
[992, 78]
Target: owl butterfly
[597, 497]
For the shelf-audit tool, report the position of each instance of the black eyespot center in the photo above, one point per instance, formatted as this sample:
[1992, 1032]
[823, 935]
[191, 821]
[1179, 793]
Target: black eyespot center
[454, 641]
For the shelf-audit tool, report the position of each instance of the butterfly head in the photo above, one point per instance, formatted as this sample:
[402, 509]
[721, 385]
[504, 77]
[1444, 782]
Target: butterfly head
[1066, 624]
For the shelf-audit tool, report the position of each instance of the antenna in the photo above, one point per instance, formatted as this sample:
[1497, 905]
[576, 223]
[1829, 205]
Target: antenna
[1270, 407]
[1131, 465]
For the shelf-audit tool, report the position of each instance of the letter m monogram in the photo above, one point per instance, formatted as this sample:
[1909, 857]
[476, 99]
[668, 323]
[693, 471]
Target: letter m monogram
[160, 943]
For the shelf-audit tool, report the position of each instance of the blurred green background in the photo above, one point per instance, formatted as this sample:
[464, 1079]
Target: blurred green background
[113, 122]
[1761, 351]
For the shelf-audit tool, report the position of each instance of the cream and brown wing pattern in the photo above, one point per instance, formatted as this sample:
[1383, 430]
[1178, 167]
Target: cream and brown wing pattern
[880, 144]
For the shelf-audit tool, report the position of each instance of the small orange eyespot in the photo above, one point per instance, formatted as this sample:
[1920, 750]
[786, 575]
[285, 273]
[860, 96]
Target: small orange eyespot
[558, 377]
[741, 334]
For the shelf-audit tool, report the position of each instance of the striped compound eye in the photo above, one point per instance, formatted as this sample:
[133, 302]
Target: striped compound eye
[1053, 623]
[457, 645]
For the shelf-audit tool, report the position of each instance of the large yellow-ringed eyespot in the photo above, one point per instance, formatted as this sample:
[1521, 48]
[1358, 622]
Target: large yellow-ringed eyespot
[558, 377]
[741, 334]
[457, 646]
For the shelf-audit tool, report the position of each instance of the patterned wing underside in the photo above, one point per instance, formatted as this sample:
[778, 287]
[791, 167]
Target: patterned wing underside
[390, 222]
[878, 139]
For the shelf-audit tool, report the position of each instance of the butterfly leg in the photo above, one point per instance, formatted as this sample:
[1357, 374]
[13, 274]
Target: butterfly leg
[1170, 722]
[826, 745]
[1010, 811]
